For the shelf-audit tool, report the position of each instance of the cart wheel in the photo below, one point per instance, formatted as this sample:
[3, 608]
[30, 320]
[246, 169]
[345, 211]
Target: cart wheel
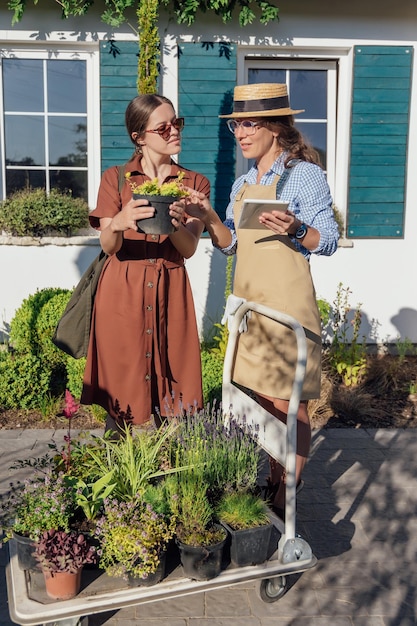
[272, 589]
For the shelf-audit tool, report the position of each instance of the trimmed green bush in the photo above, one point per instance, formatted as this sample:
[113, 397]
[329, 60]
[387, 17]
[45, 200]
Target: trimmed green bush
[212, 371]
[26, 381]
[46, 322]
[75, 371]
[34, 372]
[31, 212]
[23, 327]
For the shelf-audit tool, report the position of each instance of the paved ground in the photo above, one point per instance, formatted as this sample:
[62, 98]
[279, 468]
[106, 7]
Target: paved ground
[358, 513]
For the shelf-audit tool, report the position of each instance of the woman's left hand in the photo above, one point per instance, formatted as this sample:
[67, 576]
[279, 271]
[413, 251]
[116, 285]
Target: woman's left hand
[280, 222]
[176, 211]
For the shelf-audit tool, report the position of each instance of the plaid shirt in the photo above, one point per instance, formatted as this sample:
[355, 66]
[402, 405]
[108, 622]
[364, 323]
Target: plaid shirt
[309, 199]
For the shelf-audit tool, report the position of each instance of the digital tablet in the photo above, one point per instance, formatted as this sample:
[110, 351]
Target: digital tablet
[252, 209]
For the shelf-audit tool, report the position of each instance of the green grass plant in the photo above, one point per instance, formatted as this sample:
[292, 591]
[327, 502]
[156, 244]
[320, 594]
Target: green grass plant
[241, 510]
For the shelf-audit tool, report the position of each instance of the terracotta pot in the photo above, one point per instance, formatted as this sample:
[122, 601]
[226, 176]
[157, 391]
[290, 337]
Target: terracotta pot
[161, 222]
[62, 585]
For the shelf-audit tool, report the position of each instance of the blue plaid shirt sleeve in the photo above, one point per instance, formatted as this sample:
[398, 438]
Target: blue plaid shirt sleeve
[308, 194]
[310, 200]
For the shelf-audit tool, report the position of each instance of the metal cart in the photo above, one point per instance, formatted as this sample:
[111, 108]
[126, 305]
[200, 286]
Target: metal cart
[29, 607]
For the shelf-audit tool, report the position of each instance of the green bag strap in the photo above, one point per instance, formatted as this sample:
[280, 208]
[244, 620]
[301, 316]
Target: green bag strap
[121, 169]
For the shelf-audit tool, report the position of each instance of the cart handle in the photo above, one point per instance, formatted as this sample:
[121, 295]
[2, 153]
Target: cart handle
[291, 439]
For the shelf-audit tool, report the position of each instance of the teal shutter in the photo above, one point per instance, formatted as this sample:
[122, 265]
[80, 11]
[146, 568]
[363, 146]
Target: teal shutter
[207, 77]
[378, 150]
[118, 78]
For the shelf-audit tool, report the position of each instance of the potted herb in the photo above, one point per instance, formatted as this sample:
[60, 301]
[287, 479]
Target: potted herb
[245, 517]
[62, 556]
[215, 459]
[200, 541]
[160, 197]
[42, 504]
[133, 538]
[227, 455]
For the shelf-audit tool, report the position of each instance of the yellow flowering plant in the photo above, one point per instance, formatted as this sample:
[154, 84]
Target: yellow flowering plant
[133, 536]
[153, 188]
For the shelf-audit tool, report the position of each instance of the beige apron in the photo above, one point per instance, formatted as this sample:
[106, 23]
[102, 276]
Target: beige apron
[271, 271]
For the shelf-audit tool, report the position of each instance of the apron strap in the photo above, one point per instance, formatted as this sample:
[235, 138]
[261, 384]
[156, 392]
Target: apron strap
[284, 177]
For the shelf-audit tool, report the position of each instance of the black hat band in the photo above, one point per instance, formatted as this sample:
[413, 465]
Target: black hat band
[266, 104]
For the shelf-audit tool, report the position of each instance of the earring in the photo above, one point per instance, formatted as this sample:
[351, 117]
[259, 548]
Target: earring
[138, 149]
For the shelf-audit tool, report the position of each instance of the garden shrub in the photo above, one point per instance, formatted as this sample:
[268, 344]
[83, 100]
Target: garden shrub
[212, 371]
[23, 327]
[75, 371]
[46, 322]
[33, 212]
[26, 380]
[33, 372]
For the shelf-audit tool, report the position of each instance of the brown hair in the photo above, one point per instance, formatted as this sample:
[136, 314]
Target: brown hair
[139, 111]
[291, 140]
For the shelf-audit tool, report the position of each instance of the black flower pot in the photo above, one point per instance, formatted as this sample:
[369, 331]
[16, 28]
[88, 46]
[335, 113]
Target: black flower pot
[25, 548]
[151, 579]
[161, 222]
[201, 562]
[249, 546]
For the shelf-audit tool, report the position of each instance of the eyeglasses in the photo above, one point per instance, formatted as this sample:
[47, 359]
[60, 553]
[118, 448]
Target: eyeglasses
[247, 125]
[164, 130]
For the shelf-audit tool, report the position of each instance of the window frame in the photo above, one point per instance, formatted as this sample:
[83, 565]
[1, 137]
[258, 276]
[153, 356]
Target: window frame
[86, 53]
[339, 122]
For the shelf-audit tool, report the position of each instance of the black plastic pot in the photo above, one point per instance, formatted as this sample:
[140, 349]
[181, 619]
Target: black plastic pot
[201, 562]
[151, 579]
[25, 548]
[250, 545]
[161, 222]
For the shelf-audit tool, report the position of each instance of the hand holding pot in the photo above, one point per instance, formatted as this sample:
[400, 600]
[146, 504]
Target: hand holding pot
[135, 209]
[176, 211]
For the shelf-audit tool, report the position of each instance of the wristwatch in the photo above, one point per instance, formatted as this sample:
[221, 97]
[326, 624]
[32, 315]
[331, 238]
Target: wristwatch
[301, 231]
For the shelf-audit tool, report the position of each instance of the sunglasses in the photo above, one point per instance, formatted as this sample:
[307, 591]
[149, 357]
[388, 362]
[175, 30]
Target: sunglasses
[247, 125]
[164, 130]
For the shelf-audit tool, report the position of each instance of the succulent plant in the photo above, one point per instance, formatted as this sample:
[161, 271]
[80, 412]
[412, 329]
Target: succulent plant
[60, 551]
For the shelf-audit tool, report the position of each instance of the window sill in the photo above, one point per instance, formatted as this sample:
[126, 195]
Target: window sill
[345, 243]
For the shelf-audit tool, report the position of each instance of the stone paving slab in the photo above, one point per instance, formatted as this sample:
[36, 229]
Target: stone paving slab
[358, 513]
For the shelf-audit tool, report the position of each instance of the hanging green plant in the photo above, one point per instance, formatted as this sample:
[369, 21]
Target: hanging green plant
[185, 12]
[149, 46]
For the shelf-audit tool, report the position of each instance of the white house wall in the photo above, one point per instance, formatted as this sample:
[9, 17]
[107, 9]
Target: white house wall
[379, 272]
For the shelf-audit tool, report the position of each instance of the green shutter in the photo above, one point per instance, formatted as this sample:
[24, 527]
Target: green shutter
[207, 76]
[118, 78]
[378, 150]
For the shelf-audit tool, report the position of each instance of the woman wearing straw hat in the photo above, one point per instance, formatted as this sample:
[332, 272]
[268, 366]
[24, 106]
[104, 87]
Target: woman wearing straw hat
[272, 265]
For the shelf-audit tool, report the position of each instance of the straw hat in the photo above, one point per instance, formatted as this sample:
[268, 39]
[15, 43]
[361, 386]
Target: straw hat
[261, 100]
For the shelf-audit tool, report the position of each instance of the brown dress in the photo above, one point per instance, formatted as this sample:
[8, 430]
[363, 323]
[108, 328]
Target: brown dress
[271, 271]
[144, 351]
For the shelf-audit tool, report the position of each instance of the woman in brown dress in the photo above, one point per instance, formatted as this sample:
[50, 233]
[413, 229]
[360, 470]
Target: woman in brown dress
[272, 266]
[143, 359]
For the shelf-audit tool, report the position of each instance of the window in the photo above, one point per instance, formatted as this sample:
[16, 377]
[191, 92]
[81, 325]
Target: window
[44, 122]
[311, 86]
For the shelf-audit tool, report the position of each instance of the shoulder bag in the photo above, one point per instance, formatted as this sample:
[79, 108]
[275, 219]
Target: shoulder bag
[72, 333]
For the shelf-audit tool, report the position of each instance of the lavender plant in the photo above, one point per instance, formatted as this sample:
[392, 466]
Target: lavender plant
[227, 457]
